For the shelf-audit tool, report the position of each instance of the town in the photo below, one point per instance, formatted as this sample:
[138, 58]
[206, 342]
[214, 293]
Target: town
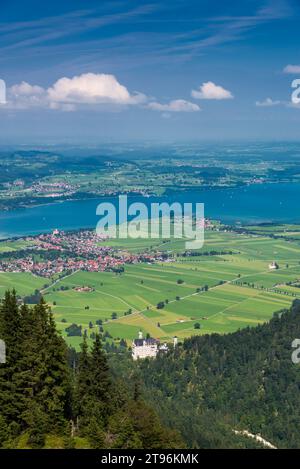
[64, 252]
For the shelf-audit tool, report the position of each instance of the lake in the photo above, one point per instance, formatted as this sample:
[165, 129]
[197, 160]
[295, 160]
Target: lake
[255, 203]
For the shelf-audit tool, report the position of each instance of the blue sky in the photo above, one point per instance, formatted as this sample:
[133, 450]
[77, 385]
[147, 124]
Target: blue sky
[92, 71]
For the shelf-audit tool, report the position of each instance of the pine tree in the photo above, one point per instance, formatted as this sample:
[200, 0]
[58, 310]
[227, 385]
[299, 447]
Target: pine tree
[101, 384]
[35, 381]
[96, 434]
[35, 388]
[92, 390]
[57, 388]
[43, 374]
[10, 333]
[123, 434]
[82, 382]
[10, 322]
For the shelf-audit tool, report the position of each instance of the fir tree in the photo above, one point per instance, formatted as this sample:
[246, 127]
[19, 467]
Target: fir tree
[100, 387]
[35, 381]
[82, 382]
[35, 389]
[92, 392]
[10, 333]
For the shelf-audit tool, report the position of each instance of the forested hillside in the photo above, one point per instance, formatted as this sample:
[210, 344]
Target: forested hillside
[206, 389]
[52, 398]
[214, 384]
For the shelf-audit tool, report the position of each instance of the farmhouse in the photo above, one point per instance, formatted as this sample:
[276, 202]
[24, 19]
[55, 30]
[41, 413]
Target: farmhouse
[84, 289]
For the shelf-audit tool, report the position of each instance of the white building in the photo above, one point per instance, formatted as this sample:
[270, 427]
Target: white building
[148, 348]
[144, 348]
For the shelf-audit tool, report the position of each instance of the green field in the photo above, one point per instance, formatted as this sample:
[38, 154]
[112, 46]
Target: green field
[241, 290]
[13, 245]
[23, 283]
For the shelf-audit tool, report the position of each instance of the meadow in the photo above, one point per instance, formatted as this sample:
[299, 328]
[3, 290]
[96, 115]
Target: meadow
[24, 283]
[197, 295]
[217, 293]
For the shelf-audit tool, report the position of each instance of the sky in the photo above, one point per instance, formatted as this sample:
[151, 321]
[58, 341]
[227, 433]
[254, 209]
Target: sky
[89, 71]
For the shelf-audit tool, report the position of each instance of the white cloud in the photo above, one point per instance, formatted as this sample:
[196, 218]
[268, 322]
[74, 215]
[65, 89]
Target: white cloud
[268, 102]
[210, 90]
[25, 89]
[292, 69]
[177, 105]
[24, 96]
[62, 107]
[292, 105]
[68, 94]
[91, 88]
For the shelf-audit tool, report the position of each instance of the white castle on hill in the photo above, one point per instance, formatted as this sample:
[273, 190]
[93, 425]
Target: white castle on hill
[148, 348]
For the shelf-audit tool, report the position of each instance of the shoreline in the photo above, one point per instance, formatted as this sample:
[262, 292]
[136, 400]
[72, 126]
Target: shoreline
[12, 225]
[232, 227]
[168, 192]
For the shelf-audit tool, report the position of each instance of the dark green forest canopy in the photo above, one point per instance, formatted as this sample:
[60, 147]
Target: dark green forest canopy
[214, 384]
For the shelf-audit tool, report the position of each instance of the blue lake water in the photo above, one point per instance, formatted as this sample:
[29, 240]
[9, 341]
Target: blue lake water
[249, 204]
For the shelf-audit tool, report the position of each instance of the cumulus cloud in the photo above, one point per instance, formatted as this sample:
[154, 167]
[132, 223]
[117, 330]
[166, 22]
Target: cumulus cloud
[92, 88]
[177, 105]
[293, 69]
[25, 96]
[94, 91]
[268, 102]
[210, 90]
[68, 94]
[25, 89]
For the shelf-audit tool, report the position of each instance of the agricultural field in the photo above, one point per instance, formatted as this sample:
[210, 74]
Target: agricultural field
[205, 293]
[240, 290]
[24, 283]
[14, 245]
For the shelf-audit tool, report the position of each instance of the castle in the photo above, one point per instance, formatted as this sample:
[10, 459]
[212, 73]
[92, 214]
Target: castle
[148, 347]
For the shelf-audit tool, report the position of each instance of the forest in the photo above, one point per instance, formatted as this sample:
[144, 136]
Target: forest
[54, 397]
[212, 386]
[207, 391]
